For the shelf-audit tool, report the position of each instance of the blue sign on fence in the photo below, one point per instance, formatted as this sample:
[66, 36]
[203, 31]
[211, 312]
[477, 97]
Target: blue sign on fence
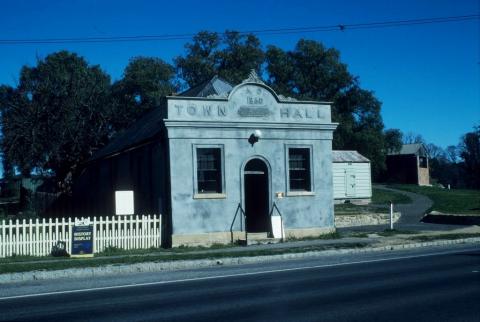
[82, 239]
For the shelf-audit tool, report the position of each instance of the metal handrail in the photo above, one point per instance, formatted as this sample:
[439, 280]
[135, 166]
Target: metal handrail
[274, 207]
[242, 223]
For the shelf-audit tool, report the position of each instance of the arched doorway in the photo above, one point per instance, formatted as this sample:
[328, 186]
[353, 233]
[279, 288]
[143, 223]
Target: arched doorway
[257, 197]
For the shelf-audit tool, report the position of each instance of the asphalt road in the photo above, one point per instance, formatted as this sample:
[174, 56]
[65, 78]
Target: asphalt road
[419, 285]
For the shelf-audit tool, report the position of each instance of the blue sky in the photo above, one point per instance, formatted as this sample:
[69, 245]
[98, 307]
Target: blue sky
[427, 76]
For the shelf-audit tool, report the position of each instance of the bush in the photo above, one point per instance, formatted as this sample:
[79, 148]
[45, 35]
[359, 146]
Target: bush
[60, 249]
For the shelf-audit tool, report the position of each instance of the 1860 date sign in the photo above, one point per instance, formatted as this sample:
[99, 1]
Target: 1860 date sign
[82, 238]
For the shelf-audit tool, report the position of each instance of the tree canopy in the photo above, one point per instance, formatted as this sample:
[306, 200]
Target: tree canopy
[63, 108]
[470, 153]
[145, 81]
[56, 115]
[230, 56]
[314, 72]
[393, 140]
[310, 71]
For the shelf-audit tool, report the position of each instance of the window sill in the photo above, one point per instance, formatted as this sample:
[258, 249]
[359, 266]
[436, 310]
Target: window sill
[300, 193]
[209, 196]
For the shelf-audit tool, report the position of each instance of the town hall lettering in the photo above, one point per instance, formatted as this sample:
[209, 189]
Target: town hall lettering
[300, 113]
[202, 110]
[253, 108]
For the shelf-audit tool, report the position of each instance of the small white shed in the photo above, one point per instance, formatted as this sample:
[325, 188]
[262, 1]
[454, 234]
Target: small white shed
[352, 178]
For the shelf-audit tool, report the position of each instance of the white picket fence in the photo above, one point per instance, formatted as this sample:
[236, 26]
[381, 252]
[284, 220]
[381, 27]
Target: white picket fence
[36, 237]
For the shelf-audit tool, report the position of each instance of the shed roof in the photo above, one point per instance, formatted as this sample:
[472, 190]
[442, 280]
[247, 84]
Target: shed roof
[348, 156]
[140, 132]
[415, 148]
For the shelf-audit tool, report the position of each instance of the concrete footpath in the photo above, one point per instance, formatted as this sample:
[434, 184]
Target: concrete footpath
[353, 242]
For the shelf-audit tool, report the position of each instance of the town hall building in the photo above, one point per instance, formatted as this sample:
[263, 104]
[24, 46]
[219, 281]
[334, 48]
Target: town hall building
[217, 150]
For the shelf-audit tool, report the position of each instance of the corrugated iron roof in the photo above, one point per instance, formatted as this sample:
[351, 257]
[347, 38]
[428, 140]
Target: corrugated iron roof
[415, 148]
[348, 156]
[216, 86]
[141, 131]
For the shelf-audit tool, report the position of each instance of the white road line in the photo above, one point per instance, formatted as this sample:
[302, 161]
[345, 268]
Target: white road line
[230, 275]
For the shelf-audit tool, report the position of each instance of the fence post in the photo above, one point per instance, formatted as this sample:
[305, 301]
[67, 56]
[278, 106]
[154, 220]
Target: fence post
[113, 237]
[160, 230]
[139, 231]
[94, 246]
[14, 227]
[37, 238]
[107, 233]
[30, 238]
[20, 236]
[391, 215]
[69, 240]
[4, 239]
[57, 236]
[51, 239]
[98, 235]
[10, 238]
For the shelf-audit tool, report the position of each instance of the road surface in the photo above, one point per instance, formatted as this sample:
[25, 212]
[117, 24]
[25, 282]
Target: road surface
[435, 284]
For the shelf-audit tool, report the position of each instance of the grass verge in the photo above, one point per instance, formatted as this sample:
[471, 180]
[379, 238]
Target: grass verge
[380, 203]
[115, 251]
[393, 232]
[332, 235]
[359, 235]
[15, 267]
[346, 209]
[454, 201]
[427, 238]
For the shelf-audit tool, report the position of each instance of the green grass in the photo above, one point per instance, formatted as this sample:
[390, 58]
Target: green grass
[45, 264]
[393, 232]
[351, 209]
[116, 251]
[380, 196]
[455, 201]
[332, 235]
[23, 258]
[380, 203]
[118, 256]
[426, 238]
[359, 235]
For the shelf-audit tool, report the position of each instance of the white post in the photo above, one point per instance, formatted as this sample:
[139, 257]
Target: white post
[3, 241]
[391, 215]
[70, 230]
[94, 237]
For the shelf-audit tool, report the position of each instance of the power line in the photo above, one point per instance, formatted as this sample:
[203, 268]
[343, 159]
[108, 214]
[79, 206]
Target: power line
[277, 31]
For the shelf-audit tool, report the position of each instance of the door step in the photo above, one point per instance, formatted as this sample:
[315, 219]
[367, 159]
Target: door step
[264, 241]
[256, 236]
[258, 239]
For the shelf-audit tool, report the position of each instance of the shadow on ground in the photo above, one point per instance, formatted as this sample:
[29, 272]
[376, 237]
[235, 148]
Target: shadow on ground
[451, 220]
